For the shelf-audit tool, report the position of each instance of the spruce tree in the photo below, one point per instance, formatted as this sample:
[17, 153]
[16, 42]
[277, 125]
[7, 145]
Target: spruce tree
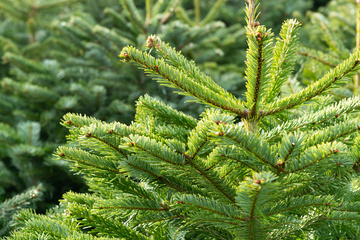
[273, 166]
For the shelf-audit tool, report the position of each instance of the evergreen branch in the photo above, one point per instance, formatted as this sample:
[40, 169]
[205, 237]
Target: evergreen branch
[156, 149]
[146, 170]
[24, 63]
[30, 91]
[238, 155]
[86, 159]
[215, 180]
[318, 59]
[258, 62]
[100, 224]
[333, 133]
[331, 38]
[111, 35]
[183, 16]
[113, 147]
[258, 78]
[172, 77]
[131, 204]
[253, 144]
[330, 80]
[311, 156]
[251, 15]
[252, 216]
[133, 14]
[188, 68]
[212, 13]
[167, 113]
[199, 136]
[325, 114]
[284, 57]
[210, 205]
[300, 203]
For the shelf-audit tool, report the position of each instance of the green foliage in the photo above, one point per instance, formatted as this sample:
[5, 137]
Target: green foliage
[60, 56]
[275, 166]
[322, 30]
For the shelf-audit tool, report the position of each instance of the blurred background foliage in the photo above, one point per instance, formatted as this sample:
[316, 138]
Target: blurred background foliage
[60, 56]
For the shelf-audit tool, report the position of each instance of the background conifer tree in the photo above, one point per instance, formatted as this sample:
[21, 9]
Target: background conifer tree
[267, 167]
[333, 30]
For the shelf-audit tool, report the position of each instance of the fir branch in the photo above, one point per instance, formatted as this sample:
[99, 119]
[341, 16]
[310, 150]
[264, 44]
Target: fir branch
[253, 144]
[252, 216]
[258, 62]
[133, 14]
[311, 156]
[300, 203]
[330, 80]
[176, 59]
[284, 57]
[333, 133]
[167, 113]
[156, 149]
[86, 159]
[172, 77]
[210, 205]
[215, 180]
[212, 13]
[316, 58]
[322, 116]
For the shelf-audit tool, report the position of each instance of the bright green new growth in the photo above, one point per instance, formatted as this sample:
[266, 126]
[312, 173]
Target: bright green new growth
[287, 170]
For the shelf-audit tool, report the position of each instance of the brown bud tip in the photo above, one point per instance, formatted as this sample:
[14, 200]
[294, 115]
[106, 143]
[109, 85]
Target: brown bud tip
[180, 202]
[150, 40]
[256, 24]
[259, 39]
[156, 67]
[314, 123]
[336, 151]
[257, 181]
[258, 34]
[88, 135]
[340, 205]
[217, 121]
[337, 116]
[100, 207]
[68, 122]
[337, 163]
[222, 155]
[110, 131]
[356, 61]
[328, 204]
[133, 143]
[358, 127]
[62, 154]
[126, 55]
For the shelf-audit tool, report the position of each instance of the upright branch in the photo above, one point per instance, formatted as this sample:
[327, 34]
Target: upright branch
[258, 61]
[251, 14]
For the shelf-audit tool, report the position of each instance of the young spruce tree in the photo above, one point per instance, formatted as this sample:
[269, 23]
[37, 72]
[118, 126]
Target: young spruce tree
[270, 167]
